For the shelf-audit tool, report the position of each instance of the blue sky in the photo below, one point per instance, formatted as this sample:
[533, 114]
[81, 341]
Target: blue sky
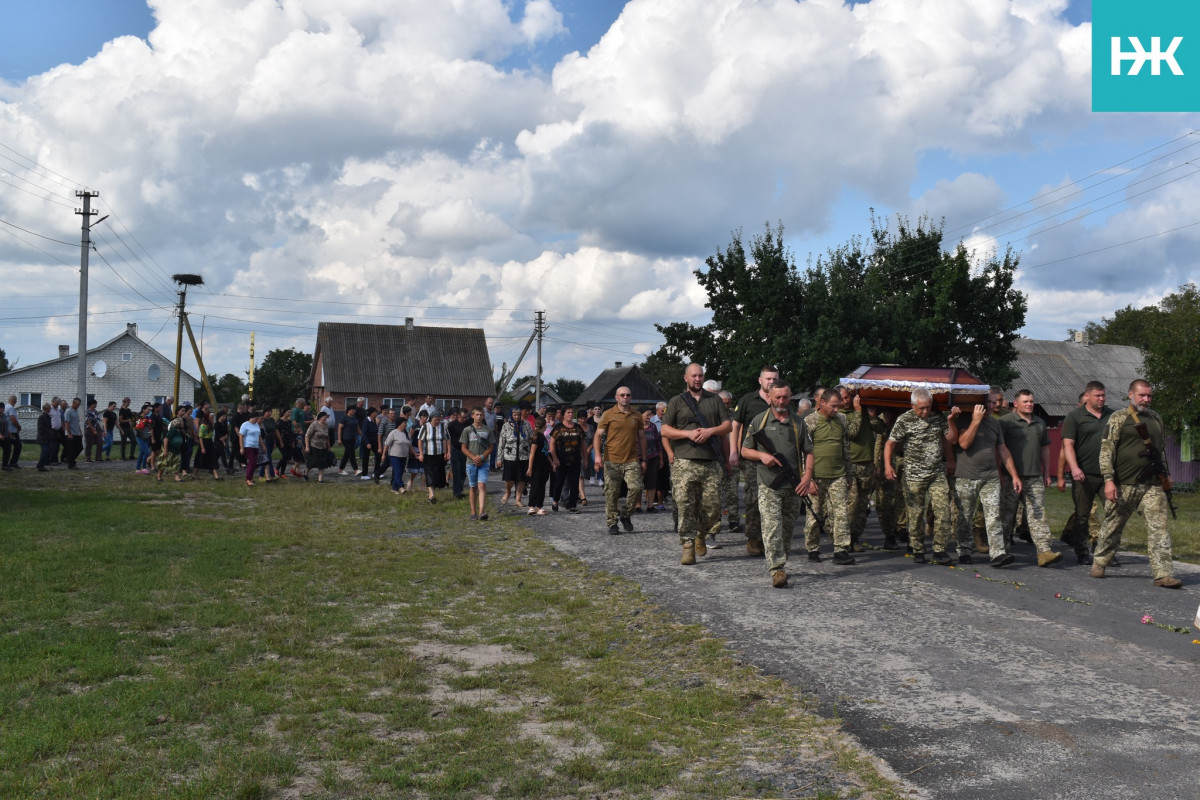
[487, 158]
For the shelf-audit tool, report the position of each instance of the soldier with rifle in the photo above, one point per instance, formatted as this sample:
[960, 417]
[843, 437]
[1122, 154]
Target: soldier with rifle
[775, 440]
[1135, 476]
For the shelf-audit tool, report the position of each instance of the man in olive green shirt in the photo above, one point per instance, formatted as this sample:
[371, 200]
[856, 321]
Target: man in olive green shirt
[1026, 438]
[827, 462]
[779, 507]
[1083, 430]
[864, 427]
[1131, 484]
[748, 407]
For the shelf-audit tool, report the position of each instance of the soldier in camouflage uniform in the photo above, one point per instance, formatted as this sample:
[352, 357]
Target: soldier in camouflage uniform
[827, 465]
[779, 507]
[977, 482]
[696, 426]
[750, 406]
[1131, 483]
[864, 428]
[927, 437]
[889, 498]
[729, 477]
[1082, 434]
[1026, 437]
[623, 460]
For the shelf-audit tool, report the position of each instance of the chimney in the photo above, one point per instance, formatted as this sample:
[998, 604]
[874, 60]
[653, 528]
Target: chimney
[64, 350]
[618, 363]
[1081, 338]
[131, 329]
[408, 323]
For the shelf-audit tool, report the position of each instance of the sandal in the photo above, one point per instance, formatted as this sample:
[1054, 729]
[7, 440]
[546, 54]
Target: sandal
[583, 502]
[533, 511]
[541, 512]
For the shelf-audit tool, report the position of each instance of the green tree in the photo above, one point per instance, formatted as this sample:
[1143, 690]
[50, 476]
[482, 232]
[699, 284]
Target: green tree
[664, 368]
[1169, 335]
[4, 367]
[567, 388]
[281, 378]
[898, 297]
[228, 389]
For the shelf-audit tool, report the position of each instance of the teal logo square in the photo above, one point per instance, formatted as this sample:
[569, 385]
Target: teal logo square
[1145, 55]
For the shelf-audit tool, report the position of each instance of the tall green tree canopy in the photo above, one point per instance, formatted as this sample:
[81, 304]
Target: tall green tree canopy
[282, 378]
[1169, 335]
[568, 388]
[4, 367]
[897, 298]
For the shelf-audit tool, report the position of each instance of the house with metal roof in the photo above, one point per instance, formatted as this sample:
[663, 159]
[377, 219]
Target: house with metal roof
[395, 365]
[1056, 372]
[603, 390]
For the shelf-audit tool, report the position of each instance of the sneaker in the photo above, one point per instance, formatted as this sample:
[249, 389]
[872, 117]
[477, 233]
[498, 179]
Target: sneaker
[689, 553]
[919, 558]
[554, 506]
[942, 559]
[700, 547]
[1168, 583]
[843, 559]
[1002, 560]
[572, 510]
[627, 523]
[814, 556]
[472, 517]
[344, 472]
[366, 478]
[1047, 558]
[779, 578]
[965, 558]
[614, 530]
[712, 543]
[483, 517]
[754, 547]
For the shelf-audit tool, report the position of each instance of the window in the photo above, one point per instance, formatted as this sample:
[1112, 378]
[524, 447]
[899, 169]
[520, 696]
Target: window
[351, 401]
[127, 356]
[445, 404]
[30, 399]
[393, 402]
[161, 399]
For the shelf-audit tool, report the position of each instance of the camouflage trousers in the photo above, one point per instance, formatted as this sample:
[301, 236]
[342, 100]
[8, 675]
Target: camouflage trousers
[1009, 506]
[729, 493]
[979, 495]
[889, 501]
[830, 501]
[753, 519]
[696, 487]
[778, 509]
[1152, 501]
[862, 484]
[614, 474]
[933, 491]
[1033, 497]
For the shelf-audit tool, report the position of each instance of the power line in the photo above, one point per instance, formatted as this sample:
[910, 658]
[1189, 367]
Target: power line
[39, 235]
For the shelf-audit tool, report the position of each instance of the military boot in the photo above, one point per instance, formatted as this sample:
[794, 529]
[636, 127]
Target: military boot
[754, 547]
[981, 544]
[689, 553]
[699, 546]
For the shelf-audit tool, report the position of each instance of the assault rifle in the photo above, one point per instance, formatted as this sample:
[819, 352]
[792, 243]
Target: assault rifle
[786, 478]
[1155, 466]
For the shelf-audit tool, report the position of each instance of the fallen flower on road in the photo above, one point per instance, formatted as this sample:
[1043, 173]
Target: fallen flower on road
[1146, 620]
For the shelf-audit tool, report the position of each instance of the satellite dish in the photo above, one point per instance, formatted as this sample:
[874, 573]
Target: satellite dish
[153, 372]
[99, 368]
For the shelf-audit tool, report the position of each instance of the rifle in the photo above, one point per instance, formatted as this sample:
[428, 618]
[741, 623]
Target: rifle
[1155, 466]
[713, 442]
[787, 477]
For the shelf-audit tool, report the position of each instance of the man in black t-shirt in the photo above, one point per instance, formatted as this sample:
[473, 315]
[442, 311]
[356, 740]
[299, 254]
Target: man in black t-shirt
[456, 424]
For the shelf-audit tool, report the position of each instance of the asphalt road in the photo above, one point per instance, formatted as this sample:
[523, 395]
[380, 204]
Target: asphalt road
[968, 687]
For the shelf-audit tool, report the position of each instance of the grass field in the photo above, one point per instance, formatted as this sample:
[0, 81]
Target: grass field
[1185, 531]
[206, 640]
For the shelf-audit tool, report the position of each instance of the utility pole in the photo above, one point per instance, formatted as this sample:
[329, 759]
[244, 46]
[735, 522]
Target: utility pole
[539, 329]
[85, 244]
[185, 280]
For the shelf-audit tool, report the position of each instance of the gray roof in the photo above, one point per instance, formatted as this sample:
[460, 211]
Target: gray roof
[604, 388]
[91, 350]
[1056, 372]
[446, 362]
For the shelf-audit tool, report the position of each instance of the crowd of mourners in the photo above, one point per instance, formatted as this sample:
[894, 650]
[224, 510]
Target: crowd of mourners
[971, 480]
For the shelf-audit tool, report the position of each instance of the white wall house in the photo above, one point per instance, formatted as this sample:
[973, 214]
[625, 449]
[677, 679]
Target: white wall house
[124, 366]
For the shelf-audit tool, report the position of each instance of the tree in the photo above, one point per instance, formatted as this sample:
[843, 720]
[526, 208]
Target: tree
[4, 367]
[567, 388]
[664, 368]
[898, 299]
[281, 378]
[1169, 336]
[228, 389]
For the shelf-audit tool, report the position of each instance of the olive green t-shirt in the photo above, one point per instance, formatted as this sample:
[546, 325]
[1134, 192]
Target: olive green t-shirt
[1086, 431]
[826, 440]
[978, 462]
[787, 437]
[679, 415]
[862, 442]
[1025, 441]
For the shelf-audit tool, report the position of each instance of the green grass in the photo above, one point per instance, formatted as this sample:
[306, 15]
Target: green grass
[1185, 531]
[208, 640]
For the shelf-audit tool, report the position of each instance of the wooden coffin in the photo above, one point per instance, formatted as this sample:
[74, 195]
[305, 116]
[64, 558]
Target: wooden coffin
[892, 386]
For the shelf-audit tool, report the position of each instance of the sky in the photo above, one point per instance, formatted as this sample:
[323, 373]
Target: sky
[470, 162]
